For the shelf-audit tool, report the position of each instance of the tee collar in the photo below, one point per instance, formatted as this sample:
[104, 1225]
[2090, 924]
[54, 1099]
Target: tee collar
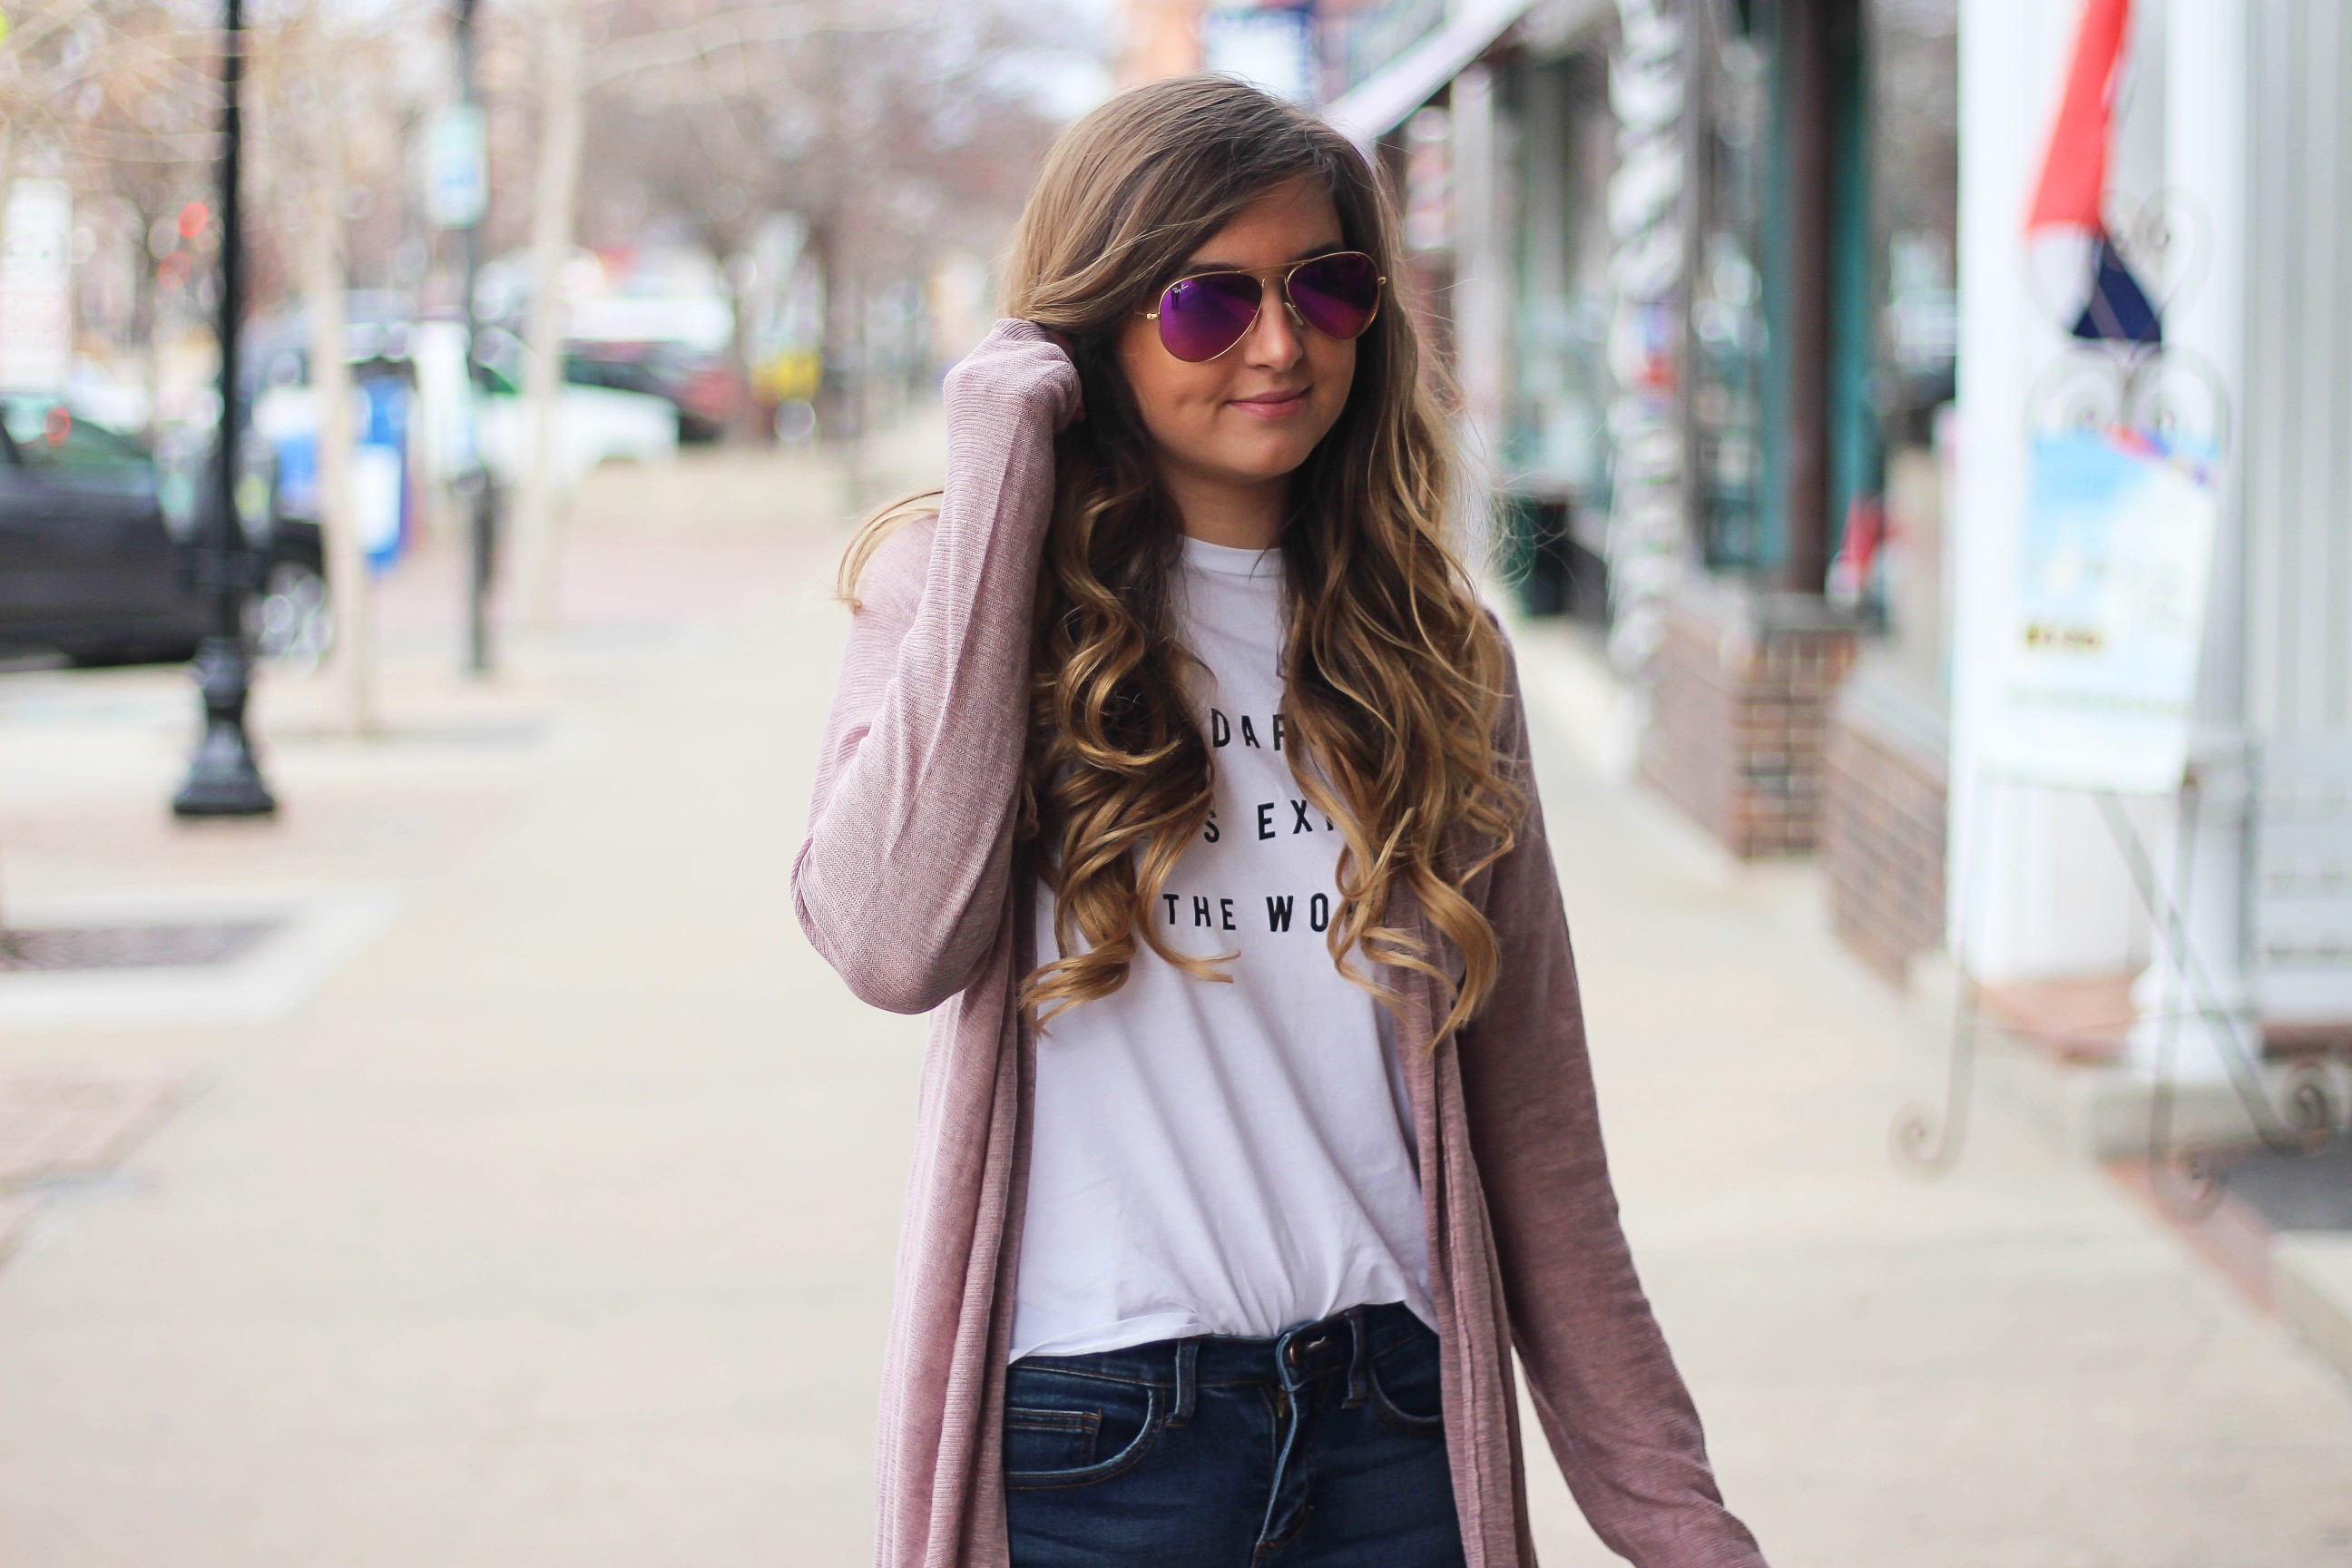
[1225, 560]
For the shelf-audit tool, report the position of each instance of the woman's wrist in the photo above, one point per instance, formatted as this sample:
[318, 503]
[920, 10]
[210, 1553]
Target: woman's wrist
[1020, 364]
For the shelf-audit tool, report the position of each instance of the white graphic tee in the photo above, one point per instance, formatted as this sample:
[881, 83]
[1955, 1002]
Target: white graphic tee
[1224, 1158]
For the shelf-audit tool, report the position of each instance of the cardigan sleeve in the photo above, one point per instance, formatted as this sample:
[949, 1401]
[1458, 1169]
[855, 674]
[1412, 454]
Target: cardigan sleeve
[1619, 1419]
[900, 882]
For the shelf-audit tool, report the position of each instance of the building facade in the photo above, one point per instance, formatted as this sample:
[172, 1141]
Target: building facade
[2227, 192]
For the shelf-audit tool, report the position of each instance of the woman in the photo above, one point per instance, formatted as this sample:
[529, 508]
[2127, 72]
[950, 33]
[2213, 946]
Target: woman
[1176, 766]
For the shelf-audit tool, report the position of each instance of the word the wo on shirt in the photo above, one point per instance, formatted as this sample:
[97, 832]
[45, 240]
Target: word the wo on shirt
[1261, 821]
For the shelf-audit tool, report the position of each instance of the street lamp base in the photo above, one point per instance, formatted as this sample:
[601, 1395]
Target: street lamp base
[230, 788]
[223, 779]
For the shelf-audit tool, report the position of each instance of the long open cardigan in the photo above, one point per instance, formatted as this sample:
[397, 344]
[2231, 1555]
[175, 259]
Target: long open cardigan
[909, 886]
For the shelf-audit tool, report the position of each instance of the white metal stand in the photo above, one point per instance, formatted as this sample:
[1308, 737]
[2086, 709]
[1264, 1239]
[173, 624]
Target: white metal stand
[1931, 1142]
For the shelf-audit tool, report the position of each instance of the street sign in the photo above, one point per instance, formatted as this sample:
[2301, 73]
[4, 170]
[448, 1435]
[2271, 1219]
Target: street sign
[457, 179]
[37, 287]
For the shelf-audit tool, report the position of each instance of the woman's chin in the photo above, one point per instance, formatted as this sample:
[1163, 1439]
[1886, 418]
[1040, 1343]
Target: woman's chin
[1255, 463]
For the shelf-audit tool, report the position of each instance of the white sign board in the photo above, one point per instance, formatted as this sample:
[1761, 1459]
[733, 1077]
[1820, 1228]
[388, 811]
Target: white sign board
[456, 174]
[37, 287]
[2096, 680]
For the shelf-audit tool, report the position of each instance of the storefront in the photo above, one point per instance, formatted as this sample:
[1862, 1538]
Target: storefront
[1554, 447]
[1695, 262]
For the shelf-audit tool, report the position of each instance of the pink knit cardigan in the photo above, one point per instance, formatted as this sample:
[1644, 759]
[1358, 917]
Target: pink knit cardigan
[908, 885]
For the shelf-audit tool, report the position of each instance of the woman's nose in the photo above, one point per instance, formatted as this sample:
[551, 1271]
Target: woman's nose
[1273, 337]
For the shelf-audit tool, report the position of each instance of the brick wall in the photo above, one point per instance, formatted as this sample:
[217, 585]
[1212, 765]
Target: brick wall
[1883, 819]
[1739, 710]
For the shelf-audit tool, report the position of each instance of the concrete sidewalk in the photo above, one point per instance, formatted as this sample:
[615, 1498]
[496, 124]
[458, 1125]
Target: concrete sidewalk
[557, 1226]
[2011, 1364]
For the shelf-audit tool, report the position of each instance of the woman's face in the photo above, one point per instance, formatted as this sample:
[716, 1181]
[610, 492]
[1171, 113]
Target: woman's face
[1252, 413]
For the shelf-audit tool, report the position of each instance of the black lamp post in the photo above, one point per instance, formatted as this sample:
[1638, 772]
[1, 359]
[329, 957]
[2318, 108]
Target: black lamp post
[223, 780]
[474, 485]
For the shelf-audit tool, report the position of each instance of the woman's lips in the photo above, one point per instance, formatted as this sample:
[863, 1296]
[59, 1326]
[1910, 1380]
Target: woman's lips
[1273, 406]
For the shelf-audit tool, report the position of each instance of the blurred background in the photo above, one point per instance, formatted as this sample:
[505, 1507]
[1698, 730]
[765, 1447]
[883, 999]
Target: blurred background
[1911, 448]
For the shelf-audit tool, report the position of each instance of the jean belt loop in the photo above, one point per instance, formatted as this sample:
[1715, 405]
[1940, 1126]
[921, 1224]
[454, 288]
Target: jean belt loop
[1359, 1358]
[1285, 1357]
[1188, 1362]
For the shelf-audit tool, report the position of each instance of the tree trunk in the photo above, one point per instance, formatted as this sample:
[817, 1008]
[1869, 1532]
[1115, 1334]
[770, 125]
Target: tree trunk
[748, 427]
[858, 396]
[143, 320]
[323, 282]
[838, 347]
[553, 199]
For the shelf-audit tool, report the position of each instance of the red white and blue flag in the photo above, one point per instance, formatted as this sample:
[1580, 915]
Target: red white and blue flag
[2075, 265]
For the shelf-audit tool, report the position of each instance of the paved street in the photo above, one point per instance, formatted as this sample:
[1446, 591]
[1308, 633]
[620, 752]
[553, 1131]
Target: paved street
[555, 1224]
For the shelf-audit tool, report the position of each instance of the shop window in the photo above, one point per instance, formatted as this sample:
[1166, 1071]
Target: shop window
[1915, 199]
[1730, 330]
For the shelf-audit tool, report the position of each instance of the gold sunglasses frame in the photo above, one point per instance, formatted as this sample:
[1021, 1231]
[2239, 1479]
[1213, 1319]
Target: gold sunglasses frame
[1262, 276]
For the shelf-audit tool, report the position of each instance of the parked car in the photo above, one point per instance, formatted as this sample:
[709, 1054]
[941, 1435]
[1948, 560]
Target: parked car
[702, 387]
[97, 559]
[593, 424]
[88, 567]
[407, 376]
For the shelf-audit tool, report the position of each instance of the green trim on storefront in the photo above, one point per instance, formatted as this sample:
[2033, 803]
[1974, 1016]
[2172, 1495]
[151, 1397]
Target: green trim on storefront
[1768, 534]
[1856, 290]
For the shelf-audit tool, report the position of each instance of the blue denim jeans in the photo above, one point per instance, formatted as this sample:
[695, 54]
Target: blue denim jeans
[1321, 1447]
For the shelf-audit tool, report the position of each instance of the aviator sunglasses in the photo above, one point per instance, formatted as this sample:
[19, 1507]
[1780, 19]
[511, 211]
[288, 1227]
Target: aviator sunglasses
[1203, 316]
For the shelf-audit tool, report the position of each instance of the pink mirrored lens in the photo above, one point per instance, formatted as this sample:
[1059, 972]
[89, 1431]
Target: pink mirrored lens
[1337, 294]
[1200, 318]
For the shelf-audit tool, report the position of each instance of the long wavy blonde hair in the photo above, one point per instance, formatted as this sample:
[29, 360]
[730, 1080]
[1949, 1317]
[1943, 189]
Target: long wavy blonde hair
[1393, 671]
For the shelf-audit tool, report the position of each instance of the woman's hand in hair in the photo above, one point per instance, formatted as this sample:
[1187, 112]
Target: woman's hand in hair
[1069, 346]
[1017, 362]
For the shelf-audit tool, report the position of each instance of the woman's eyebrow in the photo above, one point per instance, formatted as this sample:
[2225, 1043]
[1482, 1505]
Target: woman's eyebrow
[1210, 263]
